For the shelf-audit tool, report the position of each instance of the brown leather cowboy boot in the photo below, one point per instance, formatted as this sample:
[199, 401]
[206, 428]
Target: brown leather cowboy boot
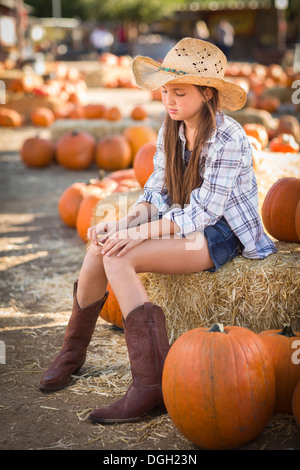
[73, 352]
[148, 345]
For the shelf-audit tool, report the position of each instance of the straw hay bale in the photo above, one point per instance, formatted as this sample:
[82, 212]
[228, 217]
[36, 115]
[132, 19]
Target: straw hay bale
[101, 75]
[256, 294]
[99, 128]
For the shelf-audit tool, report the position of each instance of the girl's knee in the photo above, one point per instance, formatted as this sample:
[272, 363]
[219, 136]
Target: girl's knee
[116, 265]
[93, 257]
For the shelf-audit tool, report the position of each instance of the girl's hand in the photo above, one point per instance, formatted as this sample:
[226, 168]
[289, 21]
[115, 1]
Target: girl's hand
[122, 240]
[99, 233]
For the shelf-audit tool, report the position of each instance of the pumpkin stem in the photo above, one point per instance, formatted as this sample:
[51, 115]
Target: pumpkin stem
[287, 331]
[217, 327]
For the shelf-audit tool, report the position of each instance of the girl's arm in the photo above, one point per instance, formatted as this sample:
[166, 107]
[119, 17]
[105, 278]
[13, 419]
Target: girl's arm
[126, 239]
[139, 215]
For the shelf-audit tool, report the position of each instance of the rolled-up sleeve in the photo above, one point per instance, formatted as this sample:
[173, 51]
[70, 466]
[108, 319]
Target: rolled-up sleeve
[208, 202]
[154, 192]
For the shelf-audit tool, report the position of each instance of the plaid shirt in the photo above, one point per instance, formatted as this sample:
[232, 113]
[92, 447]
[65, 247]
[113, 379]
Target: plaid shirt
[228, 189]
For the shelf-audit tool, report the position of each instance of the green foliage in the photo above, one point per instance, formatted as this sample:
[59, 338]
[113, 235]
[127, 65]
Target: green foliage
[135, 10]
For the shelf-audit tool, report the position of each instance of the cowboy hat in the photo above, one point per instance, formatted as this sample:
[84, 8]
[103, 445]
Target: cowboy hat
[190, 61]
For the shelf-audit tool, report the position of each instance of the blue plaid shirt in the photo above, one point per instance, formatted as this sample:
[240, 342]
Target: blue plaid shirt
[228, 189]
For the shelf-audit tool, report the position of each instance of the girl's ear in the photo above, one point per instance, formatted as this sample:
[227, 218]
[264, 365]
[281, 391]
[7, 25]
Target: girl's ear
[208, 93]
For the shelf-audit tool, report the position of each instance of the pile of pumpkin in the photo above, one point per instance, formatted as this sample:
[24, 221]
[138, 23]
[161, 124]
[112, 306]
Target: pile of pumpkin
[285, 138]
[45, 116]
[51, 97]
[269, 87]
[128, 158]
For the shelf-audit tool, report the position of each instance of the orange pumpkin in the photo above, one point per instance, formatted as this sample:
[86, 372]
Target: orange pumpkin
[37, 152]
[269, 103]
[137, 136]
[111, 311]
[143, 162]
[112, 114]
[120, 175]
[10, 118]
[219, 386]
[258, 131]
[284, 143]
[279, 209]
[75, 150]
[296, 404]
[107, 184]
[126, 185]
[42, 117]
[139, 113]
[280, 347]
[94, 111]
[86, 209]
[69, 203]
[113, 153]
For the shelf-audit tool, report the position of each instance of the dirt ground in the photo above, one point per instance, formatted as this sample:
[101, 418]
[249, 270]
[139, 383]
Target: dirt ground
[40, 259]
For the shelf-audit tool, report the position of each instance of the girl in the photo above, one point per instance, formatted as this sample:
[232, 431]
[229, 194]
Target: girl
[199, 209]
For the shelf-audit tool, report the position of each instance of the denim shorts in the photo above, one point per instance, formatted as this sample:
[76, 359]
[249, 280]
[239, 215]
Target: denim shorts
[223, 244]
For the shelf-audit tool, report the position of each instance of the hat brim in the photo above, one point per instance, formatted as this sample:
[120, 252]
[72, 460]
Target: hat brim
[147, 76]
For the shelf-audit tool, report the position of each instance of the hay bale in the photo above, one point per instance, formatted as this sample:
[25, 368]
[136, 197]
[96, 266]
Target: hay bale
[98, 128]
[256, 294]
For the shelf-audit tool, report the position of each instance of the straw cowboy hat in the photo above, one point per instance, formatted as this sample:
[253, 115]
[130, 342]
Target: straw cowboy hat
[191, 61]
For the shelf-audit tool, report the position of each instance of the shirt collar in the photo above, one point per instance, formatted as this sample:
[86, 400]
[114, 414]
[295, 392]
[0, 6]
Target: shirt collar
[219, 120]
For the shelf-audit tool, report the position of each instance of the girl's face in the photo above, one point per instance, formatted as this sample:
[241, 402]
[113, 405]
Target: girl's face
[182, 101]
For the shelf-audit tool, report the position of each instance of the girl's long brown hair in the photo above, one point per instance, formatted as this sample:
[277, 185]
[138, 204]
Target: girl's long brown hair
[180, 180]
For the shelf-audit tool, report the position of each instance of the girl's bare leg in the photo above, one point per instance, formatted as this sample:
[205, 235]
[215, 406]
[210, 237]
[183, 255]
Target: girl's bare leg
[92, 281]
[163, 255]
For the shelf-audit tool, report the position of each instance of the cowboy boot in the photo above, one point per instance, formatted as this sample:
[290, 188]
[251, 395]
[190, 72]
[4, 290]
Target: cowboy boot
[73, 352]
[148, 345]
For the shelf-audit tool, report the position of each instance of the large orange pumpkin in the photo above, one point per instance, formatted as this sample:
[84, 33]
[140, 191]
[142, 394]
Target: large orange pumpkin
[69, 203]
[75, 150]
[111, 311]
[137, 136]
[296, 404]
[279, 209]
[86, 209]
[113, 153]
[37, 152]
[219, 387]
[143, 162]
[279, 344]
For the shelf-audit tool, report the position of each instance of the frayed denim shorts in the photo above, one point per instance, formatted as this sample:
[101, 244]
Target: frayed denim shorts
[223, 244]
